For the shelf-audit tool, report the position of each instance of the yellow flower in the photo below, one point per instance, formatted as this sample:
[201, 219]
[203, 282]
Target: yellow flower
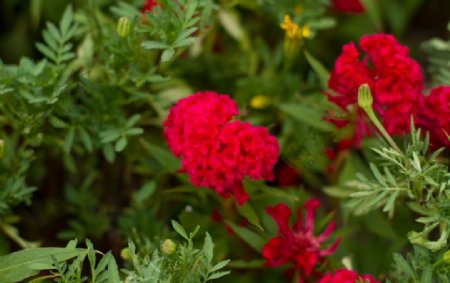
[306, 31]
[260, 102]
[292, 29]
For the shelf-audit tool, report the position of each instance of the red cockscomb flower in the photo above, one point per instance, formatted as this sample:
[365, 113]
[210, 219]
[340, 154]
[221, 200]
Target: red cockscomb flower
[434, 116]
[217, 153]
[347, 276]
[395, 79]
[298, 245]
[149, 5]
[354, 6]
[194, 119]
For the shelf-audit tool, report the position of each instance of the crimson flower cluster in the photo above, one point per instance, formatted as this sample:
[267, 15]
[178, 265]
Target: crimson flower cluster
[298, 245]
[347, 276]
[397, 85]
[354, 6]
[434, 116]
[216, 152]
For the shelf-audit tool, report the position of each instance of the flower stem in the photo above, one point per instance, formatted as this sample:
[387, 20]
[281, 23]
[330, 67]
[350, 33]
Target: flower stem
[365, 101]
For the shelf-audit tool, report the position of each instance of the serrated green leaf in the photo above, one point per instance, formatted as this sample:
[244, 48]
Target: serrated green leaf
[18, 266]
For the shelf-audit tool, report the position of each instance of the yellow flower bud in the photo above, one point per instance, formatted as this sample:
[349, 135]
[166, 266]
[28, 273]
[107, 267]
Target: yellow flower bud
[260, 102]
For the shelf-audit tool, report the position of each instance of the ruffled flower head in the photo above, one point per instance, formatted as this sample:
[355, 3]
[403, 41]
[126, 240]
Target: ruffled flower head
[347, 276]
[298, 245]
[434, 116]
[216, 152]
[395, 79]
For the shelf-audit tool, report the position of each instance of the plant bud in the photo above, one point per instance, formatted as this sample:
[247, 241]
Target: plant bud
[168, 247]
[125, 253]
[123, 26]
[365, 98]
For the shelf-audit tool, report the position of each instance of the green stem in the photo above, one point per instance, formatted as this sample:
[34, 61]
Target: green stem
[377, 123]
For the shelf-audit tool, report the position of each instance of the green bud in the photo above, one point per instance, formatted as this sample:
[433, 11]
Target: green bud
[2, 148]
[168, 247]
[446, 256]
[123, 26]
[365, 98]
[125, 253]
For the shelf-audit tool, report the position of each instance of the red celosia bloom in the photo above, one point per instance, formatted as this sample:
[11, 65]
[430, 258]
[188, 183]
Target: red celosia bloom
[298, 245]
[434, 116]
[149, 5]
[395, 80]
[194, 119]
[215, 152]
[348, 6]
[347, 276]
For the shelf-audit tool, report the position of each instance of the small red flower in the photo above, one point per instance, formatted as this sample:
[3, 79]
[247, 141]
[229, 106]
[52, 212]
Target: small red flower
[395, 79]
[215, 152]
[354, 6]
[149, 5]
[298, 245]
[435, 116]
[347, 276]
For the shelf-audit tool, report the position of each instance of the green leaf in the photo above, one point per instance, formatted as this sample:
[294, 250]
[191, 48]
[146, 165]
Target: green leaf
[20, 265]
[320, 70]
[121, 144]
[68, 142]
[46, 51]
[253, 239]
[85, 139]
[218, 275]
[145, 192]
[249, 213]
[113, 270]
[150, 44]
[404, 266]
[208, 247]
[66, 20]
[163, 156]
[180, 230]
[307, 115]
[220, 265]
[167, 55]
